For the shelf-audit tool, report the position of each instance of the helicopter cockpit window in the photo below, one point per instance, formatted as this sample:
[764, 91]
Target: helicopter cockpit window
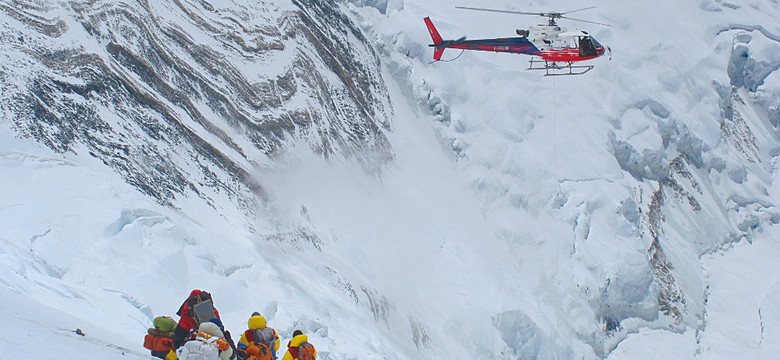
[595, 43]
[587, 48]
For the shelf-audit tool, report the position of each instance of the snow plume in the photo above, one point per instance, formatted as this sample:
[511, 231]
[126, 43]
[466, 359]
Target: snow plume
[307, 160]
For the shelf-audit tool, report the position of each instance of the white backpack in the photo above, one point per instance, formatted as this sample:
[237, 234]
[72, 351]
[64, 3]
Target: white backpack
[200, 349]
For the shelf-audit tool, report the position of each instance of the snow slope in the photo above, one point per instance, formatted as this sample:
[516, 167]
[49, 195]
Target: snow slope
[626, 213]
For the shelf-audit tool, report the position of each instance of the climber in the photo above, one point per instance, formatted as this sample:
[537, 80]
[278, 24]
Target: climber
[260, 335]
[198, 308]
[299, 348]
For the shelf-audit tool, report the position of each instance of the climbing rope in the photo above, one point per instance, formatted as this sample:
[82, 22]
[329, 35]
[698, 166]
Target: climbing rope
[555, 217]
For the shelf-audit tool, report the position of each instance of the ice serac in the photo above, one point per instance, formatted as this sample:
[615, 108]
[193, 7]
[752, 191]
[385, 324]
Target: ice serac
[707, 194]
[185, 97]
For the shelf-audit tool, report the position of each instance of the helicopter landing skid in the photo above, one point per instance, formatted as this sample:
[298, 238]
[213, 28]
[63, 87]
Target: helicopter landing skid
[552, 68]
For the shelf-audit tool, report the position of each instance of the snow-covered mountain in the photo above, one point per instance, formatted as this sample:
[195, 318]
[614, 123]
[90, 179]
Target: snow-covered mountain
[307, 160]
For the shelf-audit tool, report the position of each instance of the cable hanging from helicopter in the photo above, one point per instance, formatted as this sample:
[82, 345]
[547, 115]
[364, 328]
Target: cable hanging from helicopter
[552, 48]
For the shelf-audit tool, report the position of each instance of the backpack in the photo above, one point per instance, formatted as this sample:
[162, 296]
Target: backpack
[264, 339]
[160, 338]
[203, 311]
[157, 343]
[203, 349]
[306, 351]
[263, 354]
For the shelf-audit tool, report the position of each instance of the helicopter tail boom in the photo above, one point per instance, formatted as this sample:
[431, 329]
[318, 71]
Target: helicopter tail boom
[514, 45]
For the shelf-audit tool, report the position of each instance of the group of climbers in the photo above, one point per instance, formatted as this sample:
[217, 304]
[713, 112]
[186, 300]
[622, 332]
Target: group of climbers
[199, 334]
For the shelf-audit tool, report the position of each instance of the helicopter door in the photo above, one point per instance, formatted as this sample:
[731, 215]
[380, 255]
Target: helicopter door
[587, 48]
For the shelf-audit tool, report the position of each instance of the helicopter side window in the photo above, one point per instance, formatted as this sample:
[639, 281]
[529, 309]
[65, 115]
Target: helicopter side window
[587, 48]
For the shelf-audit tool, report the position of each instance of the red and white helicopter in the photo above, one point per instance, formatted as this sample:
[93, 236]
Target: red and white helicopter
[554, 49]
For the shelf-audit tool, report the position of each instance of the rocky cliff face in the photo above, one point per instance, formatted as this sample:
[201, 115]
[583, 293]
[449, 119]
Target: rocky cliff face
[188, 97]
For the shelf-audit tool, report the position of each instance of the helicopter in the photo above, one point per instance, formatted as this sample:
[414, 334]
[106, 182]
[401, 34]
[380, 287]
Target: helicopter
[553, 49]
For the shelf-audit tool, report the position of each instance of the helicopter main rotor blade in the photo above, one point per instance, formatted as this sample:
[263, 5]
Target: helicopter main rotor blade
[568, 12]
[551, 15]
[501, 11]
[586, 21]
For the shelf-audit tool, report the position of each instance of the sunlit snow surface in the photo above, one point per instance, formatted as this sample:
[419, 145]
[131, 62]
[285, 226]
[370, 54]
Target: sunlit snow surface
[515, 221]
